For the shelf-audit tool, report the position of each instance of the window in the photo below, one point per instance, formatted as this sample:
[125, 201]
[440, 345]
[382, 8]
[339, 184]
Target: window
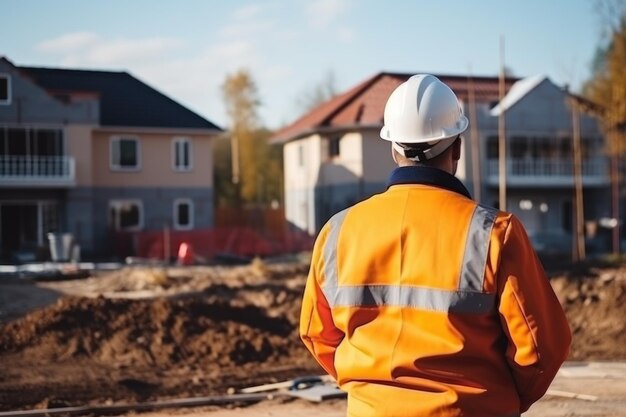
[125, 154]
[587, 148]
[565, 147]
[492, 147]
[20, 141]
[48, 142]
[5, 89]
[181, 154]
[17, 141]
[126, 215]
[519, 147]
[567, 217]
[183, 214]
[333, 147]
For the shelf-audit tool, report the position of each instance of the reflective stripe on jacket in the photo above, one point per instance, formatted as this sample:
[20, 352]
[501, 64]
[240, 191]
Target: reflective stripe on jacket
[422, 303]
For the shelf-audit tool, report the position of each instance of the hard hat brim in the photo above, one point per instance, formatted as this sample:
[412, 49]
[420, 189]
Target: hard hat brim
[461, 127]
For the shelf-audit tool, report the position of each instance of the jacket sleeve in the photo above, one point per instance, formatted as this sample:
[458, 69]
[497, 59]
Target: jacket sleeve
[317, 329]
[533, 320]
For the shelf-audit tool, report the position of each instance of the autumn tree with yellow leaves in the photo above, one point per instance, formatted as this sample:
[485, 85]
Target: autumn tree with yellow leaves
[607, 89]
[248, 170]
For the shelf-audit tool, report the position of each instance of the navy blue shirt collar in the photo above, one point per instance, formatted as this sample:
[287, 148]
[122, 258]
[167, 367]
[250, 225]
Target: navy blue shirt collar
[427, 176]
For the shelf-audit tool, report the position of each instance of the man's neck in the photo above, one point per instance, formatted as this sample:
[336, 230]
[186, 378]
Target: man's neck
[442, 166]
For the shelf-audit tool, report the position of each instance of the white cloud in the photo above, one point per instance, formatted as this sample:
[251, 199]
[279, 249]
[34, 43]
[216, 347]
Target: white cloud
[277, 73]
[247, 22]
[69, 42]
[191, 76]
[233, 52]
[85, 48]
[322, 13]
[248, 11]
[129, 50]
[246, 29]
[345, 35]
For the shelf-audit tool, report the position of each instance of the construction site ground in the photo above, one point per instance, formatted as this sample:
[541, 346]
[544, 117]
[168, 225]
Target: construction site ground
[152, 333]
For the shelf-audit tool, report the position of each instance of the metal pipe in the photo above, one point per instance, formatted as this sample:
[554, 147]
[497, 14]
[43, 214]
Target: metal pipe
[502, 133]
[151, 405]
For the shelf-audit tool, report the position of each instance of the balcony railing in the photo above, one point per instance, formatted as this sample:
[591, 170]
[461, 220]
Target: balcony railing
[546, 171]
[42, 171]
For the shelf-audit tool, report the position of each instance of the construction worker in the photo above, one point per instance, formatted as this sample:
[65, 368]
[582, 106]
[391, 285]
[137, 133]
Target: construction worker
[421, 302]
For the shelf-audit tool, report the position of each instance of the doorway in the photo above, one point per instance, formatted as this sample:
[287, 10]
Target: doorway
[23, 227]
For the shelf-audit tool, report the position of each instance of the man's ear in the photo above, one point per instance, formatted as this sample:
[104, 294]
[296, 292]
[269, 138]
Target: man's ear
[393, 154]
[456, 149]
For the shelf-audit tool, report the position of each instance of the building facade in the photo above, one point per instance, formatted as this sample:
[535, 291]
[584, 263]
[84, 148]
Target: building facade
[334, 157]
[93, 153]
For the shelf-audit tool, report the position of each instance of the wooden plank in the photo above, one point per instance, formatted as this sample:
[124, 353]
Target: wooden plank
[283, 384]
[567, 394]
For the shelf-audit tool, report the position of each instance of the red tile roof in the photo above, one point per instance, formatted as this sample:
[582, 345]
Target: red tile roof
[364, 104]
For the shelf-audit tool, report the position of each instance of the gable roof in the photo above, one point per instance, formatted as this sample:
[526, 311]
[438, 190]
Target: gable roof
[124, 100]
[364, 104]
[517, 92]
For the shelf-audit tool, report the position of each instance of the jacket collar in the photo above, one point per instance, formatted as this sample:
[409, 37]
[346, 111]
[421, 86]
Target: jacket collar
[427, 176]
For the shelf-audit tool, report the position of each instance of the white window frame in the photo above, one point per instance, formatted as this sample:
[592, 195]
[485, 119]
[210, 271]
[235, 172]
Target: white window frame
[184, 140]
[7, 102]
[121, 201]
[117, 139]
[178, 202]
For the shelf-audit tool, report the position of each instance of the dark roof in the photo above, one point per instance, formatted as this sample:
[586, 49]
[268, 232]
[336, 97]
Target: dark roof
[124, 100]
[364, 104]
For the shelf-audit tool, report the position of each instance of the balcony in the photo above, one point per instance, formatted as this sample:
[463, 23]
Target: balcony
[549, 172]
[37, 171]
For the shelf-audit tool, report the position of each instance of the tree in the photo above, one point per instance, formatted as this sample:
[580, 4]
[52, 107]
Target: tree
[607, 88]
[226, 192]
[318, 94]
[248, 168]
[610, 14]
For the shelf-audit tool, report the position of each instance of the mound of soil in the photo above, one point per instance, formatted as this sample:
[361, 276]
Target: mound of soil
[192, 331]
[227, 328]
[137, 335]
[595, 304]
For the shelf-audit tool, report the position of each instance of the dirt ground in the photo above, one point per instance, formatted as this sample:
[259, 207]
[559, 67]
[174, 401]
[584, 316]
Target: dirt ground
[145, 334]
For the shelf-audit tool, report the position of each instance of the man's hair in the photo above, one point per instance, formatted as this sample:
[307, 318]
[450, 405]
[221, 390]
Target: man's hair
[420, 147]
[404, 161]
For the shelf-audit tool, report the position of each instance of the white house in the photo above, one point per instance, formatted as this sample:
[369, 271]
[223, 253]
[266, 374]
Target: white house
[334, 157]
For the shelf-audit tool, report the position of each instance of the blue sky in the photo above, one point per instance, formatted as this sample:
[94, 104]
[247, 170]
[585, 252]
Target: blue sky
[186, 48]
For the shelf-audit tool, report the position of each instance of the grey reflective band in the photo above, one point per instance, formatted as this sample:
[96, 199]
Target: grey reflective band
[469, 298]
[415, 297]
[330, 256]
[477, 249]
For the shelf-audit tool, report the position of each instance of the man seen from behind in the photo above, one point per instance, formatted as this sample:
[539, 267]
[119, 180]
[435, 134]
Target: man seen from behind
[421, 302]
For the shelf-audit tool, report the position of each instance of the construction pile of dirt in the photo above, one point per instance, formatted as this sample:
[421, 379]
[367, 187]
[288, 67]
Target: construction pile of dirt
[198, 334]
[146, 333]
[594, 300]
[193, 331]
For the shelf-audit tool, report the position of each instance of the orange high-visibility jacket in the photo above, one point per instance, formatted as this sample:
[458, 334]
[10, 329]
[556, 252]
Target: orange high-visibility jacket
[420, 302]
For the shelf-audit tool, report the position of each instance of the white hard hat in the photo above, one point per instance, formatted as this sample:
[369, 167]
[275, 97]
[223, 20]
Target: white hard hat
[423, 110]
